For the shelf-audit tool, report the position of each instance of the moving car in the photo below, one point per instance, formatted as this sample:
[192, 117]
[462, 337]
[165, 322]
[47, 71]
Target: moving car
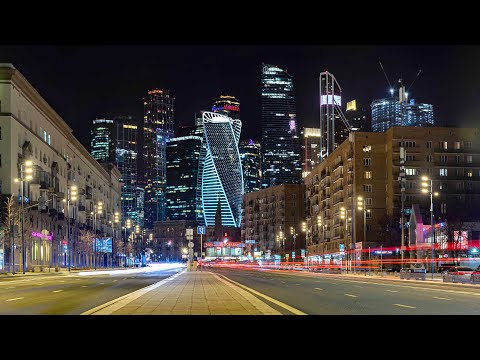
[413, 271]
[475, 277]
[457, 274]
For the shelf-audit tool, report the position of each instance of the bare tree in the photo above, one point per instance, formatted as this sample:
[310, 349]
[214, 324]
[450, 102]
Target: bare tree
[10, 219]
[84, 247]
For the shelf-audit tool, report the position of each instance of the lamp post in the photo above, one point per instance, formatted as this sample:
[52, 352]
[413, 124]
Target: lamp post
[26, 174]
[138, 232]
[71, 196]
[128, 225]
[361, 205]
[305, 230]
[98, 208]
[293, 232]
[116, 220]
[427, 188]
[343, 216]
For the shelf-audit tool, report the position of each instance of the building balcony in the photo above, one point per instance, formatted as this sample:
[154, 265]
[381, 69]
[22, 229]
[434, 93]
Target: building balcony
[81, 207]
[324, 176]
[456, 164]
[52, 212]
[456, 151]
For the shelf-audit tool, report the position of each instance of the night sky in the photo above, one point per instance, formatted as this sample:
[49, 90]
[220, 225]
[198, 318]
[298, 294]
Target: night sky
[86, 82]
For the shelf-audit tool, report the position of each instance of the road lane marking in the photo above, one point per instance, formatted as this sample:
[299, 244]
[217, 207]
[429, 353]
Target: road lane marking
[358, 286]
[55, 291]
[124, 279]
[279, 303]
[84, 286]
[77, 279]
[318, 289]
[115, 280]
[115, 304]
[394, 291]
[11, 287]
[350, 295]
[441, 298]
[297, 284]
[407, 306]
[15, 299]
[101, 283]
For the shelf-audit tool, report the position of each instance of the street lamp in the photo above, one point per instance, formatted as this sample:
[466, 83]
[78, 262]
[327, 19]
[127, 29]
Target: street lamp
[26, 174]
[116, 220]
[71, 196]
[128, 225]
[305, 230]
[427, 188]
[293, 232]
[361, 205]
[98, 208]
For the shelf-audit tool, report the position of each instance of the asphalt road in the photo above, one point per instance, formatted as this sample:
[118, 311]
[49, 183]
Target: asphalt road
[325, 294]
[74, 293]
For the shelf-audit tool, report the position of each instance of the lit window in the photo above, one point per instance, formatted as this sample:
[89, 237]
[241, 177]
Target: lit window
[367, 174]
[444, 145]
[443, 172]
[469, 159]
[457, 145]
[44, 136]
[469, 173]
[443, 208]
[410, 171]
[49, 140]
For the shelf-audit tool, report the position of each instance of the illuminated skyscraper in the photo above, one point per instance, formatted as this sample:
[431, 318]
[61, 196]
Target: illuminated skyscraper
[251, 165]
[280, 142]
[182, 168]
[359, 116]
[157, 130]
[227, 105]
[126, 160]
[115, 141]
[221, 173]
[398, 111]
[310, 139]
[102, 145]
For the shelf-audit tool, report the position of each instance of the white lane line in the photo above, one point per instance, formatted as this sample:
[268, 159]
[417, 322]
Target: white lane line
[15, 299]
[39, 284]
[115, 280]
[115, 304]
[350, 295]
[11, 287]
[101, 283]
[358, 286]
[392, 291]
[124, 279]
[62, 280]
[441, 298]
[56, 291]
[318, 289]
[297, 284]
[279, 303]
[406, 306]
[77, 279]
[84, 286]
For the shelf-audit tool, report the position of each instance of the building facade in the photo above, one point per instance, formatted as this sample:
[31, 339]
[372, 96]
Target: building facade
[396, 111]
[157, 131]
[281, 163]
[250, 156]
[227, 105]
[358, 116]
[221, 173]
[182, 190]
[310, 139]
[271, 217]
[102, 144]
[32, 131]
[368, 166]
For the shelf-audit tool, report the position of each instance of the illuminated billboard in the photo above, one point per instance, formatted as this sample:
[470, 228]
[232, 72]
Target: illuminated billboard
[104, 245]
[352, 105]
[331, 100]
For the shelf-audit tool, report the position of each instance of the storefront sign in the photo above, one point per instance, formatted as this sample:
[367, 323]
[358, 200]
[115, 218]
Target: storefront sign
[41, 236]
[224, 244]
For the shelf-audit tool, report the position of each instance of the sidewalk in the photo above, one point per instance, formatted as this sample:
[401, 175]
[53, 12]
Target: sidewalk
[187, 293]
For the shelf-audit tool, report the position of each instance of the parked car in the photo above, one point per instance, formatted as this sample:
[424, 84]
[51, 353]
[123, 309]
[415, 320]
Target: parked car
[413, 271]
[445, 266]
[475, 277]
[457, 274]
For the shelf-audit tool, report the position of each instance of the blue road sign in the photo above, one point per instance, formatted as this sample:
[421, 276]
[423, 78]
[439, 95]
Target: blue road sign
[201, 230]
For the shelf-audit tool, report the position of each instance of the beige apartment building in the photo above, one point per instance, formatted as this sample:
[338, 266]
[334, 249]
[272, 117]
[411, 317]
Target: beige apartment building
[367, 165]
[30, 130]
[272, 220]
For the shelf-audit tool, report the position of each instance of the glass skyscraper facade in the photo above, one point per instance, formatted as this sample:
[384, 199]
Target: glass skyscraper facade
[310, 138]
[126, 160]
[157, 131]
[221, 172]
[102, 145]
[250, 156]
[182, 190]
[227, 105]
[390, 112]
[280, 143]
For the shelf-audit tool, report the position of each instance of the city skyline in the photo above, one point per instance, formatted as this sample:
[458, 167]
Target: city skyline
[235, 71]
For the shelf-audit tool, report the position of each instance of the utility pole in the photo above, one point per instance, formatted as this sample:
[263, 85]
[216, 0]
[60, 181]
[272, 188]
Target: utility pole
[402, 180]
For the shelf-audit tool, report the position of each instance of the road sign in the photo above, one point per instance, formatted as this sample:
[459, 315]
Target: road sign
[287, 256]
[201, 230]
[249, 241]
[189, 232]
[293, 254]
[190, 244]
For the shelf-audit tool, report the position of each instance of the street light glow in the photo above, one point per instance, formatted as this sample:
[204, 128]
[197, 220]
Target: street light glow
[28, 163]
[424, 178]
[424, 191]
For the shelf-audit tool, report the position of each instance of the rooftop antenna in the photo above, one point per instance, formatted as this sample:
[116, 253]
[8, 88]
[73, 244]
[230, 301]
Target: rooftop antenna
[386, 77]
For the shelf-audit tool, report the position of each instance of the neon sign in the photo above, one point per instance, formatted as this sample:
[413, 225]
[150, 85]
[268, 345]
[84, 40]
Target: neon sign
[41, 236]
[226, 107]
